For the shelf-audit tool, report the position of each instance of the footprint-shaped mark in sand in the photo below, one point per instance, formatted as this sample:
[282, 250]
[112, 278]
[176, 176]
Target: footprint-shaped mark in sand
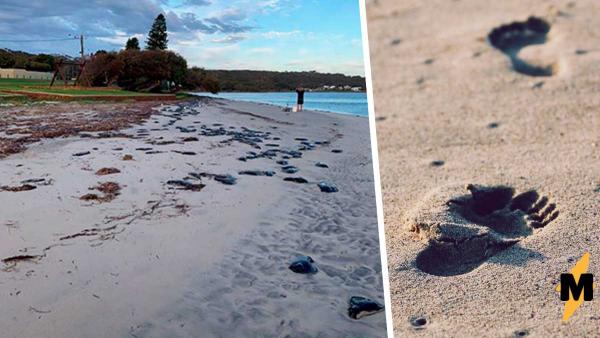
[464, 230]
[513, 37]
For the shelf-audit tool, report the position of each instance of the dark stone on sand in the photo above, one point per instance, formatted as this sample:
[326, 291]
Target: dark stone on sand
[282, 162]
[301, 139]
[186, 130]
[272, 145]
[117, 149]
[83, 153]
[247, 136]
[437, 163]
[257, 172]
[321, 165]
[189, 153]
[337, 151]
[185, 185]
[304, 265]
[362, 306]
[327, 187]
[24, 187]
[190, 139]
[34, 180]
[521, 333]
[538, 85]
[493, 125]
[109, 134]
[289, 169]
[301, 180]
[225, 179]
[418, 322]
[143, 149]
[164, 143]
[152, 152]
[307, 146]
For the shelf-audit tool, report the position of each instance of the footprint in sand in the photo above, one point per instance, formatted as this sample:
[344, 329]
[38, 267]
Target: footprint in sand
[464, 230]
[511, 38]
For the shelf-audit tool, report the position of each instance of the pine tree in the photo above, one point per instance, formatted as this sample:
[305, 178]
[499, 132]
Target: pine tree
[157, 37]
[132, 43]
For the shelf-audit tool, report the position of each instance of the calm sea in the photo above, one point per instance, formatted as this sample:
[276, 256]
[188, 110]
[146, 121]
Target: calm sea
[337, 102]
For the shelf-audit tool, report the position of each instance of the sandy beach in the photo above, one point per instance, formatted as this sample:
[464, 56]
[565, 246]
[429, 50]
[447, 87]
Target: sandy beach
[489, 141]
[156, 220]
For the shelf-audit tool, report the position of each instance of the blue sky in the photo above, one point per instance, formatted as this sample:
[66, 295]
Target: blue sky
[321, 35]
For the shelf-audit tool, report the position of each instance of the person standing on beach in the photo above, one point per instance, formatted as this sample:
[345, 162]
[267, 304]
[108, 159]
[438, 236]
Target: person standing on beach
[300, 92]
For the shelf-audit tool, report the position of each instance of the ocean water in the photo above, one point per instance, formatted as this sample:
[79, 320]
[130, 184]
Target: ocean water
[337, 102]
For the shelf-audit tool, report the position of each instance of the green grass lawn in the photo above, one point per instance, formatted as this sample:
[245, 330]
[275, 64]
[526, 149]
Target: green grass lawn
[16, 84]
[22, 84]
[109, 92]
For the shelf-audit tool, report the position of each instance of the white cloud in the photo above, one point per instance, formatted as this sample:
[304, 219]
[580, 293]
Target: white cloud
[120, 38]
[276, 34]
[230, 39]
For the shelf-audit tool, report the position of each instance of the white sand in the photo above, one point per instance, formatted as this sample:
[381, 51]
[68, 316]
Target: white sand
[438, 85]
[165, 262]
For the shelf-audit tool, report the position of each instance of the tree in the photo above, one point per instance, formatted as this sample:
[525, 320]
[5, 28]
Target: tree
[157, 37]
[38, 66]
[45, 58]
[151, 70]
[103, 69]
[198, 79]
[132, 44]
[7, 60]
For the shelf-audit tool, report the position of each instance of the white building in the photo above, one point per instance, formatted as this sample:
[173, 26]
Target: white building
[14, 73]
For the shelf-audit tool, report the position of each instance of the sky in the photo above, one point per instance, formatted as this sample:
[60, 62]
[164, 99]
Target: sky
[281, 35]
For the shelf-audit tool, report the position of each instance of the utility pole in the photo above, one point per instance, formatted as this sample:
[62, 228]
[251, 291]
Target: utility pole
[81, 42]
[81, 62]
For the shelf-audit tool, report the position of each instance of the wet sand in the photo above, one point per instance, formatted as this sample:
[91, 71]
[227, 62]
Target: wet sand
[478, 104]
[173, 251]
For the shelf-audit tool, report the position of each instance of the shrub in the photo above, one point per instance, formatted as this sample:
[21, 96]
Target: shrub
[103, 69]
[137, 70]
[198, 79]
[143, 70]
[38, 66]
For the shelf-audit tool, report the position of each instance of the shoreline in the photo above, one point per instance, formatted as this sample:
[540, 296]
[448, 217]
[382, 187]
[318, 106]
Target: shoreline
[161, 259]
[215, 96]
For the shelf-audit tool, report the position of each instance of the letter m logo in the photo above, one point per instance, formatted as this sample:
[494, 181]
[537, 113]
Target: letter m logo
[570, 289]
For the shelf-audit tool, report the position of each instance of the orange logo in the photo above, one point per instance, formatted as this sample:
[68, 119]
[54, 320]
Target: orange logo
[573, 284]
